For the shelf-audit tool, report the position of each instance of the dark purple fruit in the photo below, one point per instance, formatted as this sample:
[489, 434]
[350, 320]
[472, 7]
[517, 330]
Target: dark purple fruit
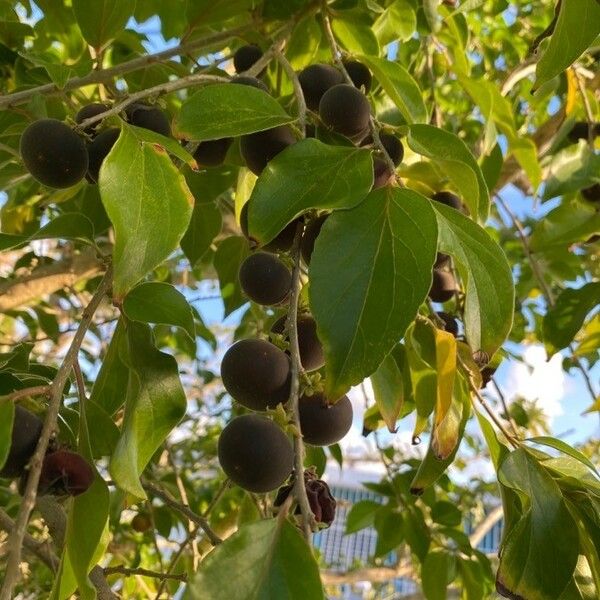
[443, 286]
[256, 374]
[212, 153]
[345, 109]
[581, 131]
[255, 453]
[149, 117]
[265, 279]
[486, 375]
[307, 245]
[53, 153]
[315, 80]
[257, 149]
[251, 81]
[441, 260]
[245, 57]
[450, 323]
[393, 146]
[592, 193]
[449, 199]
[311, 350]
[88, 111]
[321, 423]
[141, 522]
[382, 173]
[65, 473]
[98, 150]
[26, 432]
[282, 242]
[360, 75]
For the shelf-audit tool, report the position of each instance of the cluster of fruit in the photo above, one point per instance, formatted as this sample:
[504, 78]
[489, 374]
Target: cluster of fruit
[63, 472]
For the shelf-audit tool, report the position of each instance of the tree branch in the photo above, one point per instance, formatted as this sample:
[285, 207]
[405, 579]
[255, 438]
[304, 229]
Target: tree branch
[38, 390]
[298, 93]
[123, 570]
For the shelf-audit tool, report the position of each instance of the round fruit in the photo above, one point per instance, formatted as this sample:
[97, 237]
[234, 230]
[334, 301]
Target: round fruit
[98, 150]
[65, 473]
[382, 174]
[345, 109]
[441, 260]
[90, 110]
[256, 374]
[149, 117]
[449, 199]
[393, 146]
[315, 80]
[212, 153]
[282, 242]
[450, 323]
[255, 453]
[265, 279]
[53, 153]
[26, 432]
[581, 131]
[360, 75]
[307, 245]
[141, 523]
[592, 194]
[323, 424]
[257, 149]
[443, 286]
[251, 81]
[311, 350]
[245, 57]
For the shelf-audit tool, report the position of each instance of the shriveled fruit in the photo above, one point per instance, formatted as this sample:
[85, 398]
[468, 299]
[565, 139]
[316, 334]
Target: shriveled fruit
[53, 153]
[149, 117]
[257, 149]
[311, 232]
[311, 350]
[26, 432]
[245, 57]
[98, 150]
[315, 80]
[360, 74]
[345, 109]
[65, 473]
[322, 423]
[448, 198]
[88, 111]
[443, 286]
[256, 374]
[265, 279]
[212, 153]
[255, 453]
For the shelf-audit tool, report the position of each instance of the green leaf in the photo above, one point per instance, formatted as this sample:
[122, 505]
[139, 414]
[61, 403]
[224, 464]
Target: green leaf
[155, 404]
[225, 110]
[388, 390]
[355, 36]
[564, 319]
[397, 22]
[171, 145]
[416, 531]
[204, 226]
[389, 524]
[434, 574]
[7, 414]
[308, 174]
[148, 203]
[361, 515]
[446, 513]
[368, 281]
[400, 87]
[205, 12]
[565, 449]
[577, 27]
[452, 155]
[270, 560]
[157, 302]
[101, 20]
[490, 294]
[230, 254]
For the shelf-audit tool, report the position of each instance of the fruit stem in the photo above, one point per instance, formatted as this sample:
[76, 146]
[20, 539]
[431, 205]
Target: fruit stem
[300, 101]
[293, 403]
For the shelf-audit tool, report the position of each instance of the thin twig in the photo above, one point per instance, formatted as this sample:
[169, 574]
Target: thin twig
[298, 93]
[55, 396]
[127, 572]
[38, 390]
[505, 406]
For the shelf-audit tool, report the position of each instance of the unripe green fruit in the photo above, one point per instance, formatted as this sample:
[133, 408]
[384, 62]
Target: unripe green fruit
[265, 279]
[345, 109]
[321, 423]
[212, 153]
[307, 245]
[443, 286]
[98, 150]
[315, 80]
[53, 153]
[90, 110]
[449, 199]
[245, 57]
[149, 117]
[257, 149]
[256, 374]
[360, 75]
[255, 453]
[26, 432]
[311, 350]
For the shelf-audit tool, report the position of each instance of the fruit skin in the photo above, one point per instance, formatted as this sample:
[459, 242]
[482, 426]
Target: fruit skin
[149, 117]
[251, 81]
[53, 153]
[245, 57]
[441, 260]
[450, 323]
[592, 193]
[381, 173]
[98, 150]
[65, 473]
[311, 349]
[311, 232]
[321, 423]
[393, 146]
[256, 374]
[265, 279]
[449, 199]
[345, 109]
[581, 129]
[26, 432]
[212, 153]
[255, 453]
[282, 242]
[257, 149]
[360, 75]
[90, 110]
[443, 286]
[315, 80]
[141, 523]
